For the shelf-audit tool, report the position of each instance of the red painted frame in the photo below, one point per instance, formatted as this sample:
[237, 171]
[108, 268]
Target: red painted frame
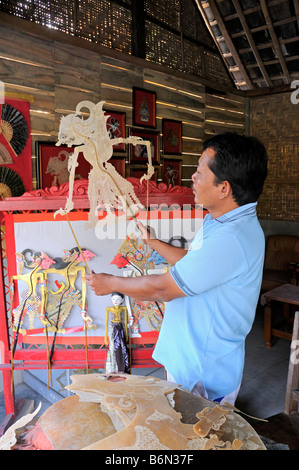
[177, 167]
[172, 129]
[149, 135]
[52, 199]
[46, 151]
[116, 127]
[144, 100]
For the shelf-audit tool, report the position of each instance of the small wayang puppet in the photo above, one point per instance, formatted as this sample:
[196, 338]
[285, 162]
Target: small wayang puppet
[106, 187]
[33, 298]
[135, 254]
[118, 359]
[61, 301]
[50, 307]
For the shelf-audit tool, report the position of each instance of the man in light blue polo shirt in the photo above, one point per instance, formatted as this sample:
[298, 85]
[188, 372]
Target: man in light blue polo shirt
[212, 290]
[202, 337]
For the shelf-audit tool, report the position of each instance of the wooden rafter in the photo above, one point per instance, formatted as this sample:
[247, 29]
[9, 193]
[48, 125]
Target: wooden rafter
[275, 42]
[227, 38]
[263, 27]
[251, 42]
[269, 44]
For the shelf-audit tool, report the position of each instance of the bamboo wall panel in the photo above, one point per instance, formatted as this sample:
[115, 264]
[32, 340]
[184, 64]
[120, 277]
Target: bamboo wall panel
[224, 112]
[274, 120]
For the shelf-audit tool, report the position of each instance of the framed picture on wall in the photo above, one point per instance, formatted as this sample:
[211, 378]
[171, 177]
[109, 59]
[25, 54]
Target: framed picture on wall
[52, 164]
[119, 164]
[172, 137]
[116, 127]
[144, 107]
[138, 153]
[172, 171]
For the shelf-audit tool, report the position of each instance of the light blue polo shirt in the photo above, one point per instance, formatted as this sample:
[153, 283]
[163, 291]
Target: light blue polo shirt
[203, 335]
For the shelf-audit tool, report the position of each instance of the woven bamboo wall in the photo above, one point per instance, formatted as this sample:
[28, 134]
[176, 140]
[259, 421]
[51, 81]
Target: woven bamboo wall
[57, 75]
[274, 120]
[173, 31]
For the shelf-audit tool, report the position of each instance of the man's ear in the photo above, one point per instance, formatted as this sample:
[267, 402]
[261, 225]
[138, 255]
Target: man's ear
[226, 190]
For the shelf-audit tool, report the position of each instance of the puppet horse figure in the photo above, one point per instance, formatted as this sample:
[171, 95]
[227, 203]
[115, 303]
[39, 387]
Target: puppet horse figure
[106, 187]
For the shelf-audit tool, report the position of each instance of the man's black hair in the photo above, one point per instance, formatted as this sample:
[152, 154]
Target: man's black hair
[241, 160]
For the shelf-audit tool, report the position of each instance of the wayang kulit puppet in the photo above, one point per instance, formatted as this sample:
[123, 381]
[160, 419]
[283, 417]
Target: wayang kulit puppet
[116, 336]
[106, 187]
[135, 254]
[39, 301]
[32, 302]
[57, 304]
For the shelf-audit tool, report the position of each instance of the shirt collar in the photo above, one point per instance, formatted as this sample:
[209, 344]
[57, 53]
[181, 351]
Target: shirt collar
[241, 211]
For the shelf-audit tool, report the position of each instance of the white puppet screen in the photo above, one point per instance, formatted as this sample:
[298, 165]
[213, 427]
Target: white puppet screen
[55, 238]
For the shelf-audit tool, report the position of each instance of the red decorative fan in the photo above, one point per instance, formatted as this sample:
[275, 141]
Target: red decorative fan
[14, 128]
[11, 185]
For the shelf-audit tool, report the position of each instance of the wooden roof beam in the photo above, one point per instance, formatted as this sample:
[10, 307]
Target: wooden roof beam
[269, 44]
[273, 62]
[248, 11]
[275, 41]
[252, 43]
[227, 38]
[294, 76]
[264, 26]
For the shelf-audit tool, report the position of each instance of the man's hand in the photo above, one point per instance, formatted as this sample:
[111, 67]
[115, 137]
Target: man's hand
[147, 234]
[99, 283]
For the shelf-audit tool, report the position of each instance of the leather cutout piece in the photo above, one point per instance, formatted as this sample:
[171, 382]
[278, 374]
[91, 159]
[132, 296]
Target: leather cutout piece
[209, 418]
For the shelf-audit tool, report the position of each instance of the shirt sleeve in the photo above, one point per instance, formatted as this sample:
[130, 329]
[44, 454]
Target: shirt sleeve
[219, 260]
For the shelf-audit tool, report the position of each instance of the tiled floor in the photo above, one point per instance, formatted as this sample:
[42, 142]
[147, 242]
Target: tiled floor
[262, 392]
[263, 388]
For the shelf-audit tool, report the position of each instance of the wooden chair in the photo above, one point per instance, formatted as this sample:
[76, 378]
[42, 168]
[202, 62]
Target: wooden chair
[292, 390]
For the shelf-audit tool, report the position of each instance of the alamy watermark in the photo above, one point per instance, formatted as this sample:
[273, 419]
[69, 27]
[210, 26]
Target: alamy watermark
[167, 221]
[295, 94]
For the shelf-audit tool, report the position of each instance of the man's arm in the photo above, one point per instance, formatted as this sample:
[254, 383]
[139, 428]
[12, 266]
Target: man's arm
[160, 287]
[172, 254]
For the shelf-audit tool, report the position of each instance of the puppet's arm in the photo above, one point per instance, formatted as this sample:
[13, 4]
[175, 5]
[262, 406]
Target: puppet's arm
[150, 168]
[43, 299]
[135, 140]
[126, 322]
